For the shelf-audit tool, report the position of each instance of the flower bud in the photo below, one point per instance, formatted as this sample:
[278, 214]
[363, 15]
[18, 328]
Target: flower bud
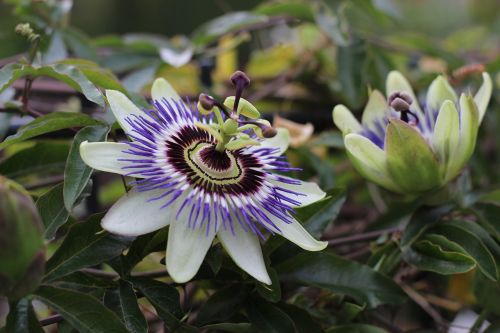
[205, 104]
[22, 254]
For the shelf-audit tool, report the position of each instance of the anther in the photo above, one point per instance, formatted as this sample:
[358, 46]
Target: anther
[206, 101]
[400, 101]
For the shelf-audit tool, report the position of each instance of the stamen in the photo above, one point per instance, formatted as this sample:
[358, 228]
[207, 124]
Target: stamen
[400, 101]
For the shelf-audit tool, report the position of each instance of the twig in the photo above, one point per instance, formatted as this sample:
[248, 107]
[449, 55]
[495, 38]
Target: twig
[51, 320]
[425, 305]
[361, 237]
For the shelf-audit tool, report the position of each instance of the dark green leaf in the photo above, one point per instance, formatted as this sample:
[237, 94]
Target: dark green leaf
[356, 328]
[436, 253]
[164, 298]
[423, 219]
[326, 270]
[349, 311]
[230, 327]
[472, 244]
[42, 158]
[488, 214]
[82, 280]
[83, 312]
[270, 293]
[52, 122]
[22, 318]
[487, 293]
[222, 305]
[144, 245]
[123, 302]
[303, 321]
[51, 208]
[265, 317]
[77, 173]
[85, 245]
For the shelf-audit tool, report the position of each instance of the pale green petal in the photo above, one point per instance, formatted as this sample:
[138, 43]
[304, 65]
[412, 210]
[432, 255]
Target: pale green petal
[162, 89]
[310, 191]
[375, 110]
[106, 156]
[469, 123]
[410, 160]
[345, 121]
[445, 138]
[133, 215]
[439, 91]
[396, 82]
[244, 248]
[483, 96]
[280, 141]
[122, 108]
[186, 247]
[296, 233]
[369, 160]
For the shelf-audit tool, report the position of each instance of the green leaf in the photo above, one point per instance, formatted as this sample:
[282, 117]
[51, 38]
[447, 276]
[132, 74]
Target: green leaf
[79, 44]
[22, 318]
[123, 302]
[298, 10]
[350, 73]
[270, 293]
[164, 298]
[331, 24]
[436, 253]
[222, 305]
[356, 328]
[224, 24]
[83, 312]
[42, 158]
[77, 173]
[51, 208]
[85, 245]
[52, 122]
[265, 317]
[142, 246]
[303, 321]
[326, 270]
[472, 244]
[487, 293]
[81, 280]
[8, 74]
[229, 327]
[488, 217]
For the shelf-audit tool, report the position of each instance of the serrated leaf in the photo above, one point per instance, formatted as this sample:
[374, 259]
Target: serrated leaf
[85, 245]
[77, 173]
[326, 270]
[85, 313]
[52, 122]
[52, 211]
[123, 302]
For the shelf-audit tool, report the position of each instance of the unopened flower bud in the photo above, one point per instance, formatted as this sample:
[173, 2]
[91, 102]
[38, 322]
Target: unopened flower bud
[269, 132]
[240, 79]
[205, 104]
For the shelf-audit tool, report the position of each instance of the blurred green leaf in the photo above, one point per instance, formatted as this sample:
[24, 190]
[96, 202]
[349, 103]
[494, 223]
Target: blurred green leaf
[265, 317]
[298, 10]
[83, 312]
[488, 217]
[223, 304]
[211, 30]
[22, 318]
[326, 270]
[79, 44]
[350, 72]
[356, 328]
[123, 302]
[56, 49]
[42, 158]
[487, 292]
[77, 173]
[51, 122]
[332, 25]
[52, 210]
[85, 245]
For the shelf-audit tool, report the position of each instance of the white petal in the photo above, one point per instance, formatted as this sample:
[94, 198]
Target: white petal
[244, 248]
[369, 160]
[105, 156]
[186, 248]
[345, 121]
[445, 138]
[396, 82]
[310, 190]
[133, 215]
[122, 107]
[483, 95]
[280, 141]
[296, 233]
[162, 89]
[174, 58]
[375, 109]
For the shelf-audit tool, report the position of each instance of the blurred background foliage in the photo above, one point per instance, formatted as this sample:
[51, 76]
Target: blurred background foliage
[303, 57]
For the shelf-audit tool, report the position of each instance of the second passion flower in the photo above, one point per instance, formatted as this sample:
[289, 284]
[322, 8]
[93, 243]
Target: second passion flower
[410, 149]
[206, 171]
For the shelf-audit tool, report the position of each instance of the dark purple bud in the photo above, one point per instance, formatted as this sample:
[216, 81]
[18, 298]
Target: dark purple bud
[269, 132]
[207, 102]
[240, 79]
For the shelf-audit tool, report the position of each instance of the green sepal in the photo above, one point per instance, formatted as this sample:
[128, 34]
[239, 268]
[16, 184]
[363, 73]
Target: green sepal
[410, 160]
[245, 108]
